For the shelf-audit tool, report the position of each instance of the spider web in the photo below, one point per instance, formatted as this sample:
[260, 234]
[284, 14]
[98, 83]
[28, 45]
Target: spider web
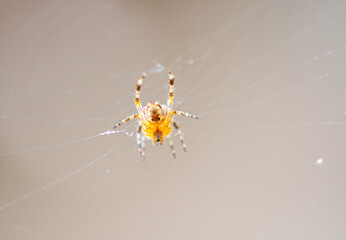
[267, 80]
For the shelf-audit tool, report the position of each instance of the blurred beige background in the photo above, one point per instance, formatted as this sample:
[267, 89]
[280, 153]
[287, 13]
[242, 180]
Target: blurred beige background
[266, 159]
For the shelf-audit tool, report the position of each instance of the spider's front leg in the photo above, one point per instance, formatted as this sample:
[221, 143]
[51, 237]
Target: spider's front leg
[171, 90]
[138, 92]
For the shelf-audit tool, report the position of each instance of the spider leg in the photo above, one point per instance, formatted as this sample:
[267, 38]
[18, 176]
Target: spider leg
[126, 120]
[171, 90]
[185, 114]
[139, 140]
[138, 91]
[143, 146]
[171, 145]
[175, 125]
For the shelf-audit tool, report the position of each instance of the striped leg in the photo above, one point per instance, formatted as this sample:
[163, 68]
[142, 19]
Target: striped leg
[180, 135]
[171, 145]
[139, 140]
[143, 146]
[126, 120]
[171, 90]
[185, 114]
[138, 90]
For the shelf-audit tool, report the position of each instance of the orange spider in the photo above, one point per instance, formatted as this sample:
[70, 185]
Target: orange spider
[156, 120]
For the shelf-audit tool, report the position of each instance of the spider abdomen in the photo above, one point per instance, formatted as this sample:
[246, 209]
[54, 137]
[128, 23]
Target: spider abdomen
[157, 131]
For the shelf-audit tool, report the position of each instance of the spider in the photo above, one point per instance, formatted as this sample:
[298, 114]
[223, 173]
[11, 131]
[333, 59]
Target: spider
[156, 120]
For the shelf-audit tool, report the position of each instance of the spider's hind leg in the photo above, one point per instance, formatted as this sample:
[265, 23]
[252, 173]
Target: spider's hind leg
[140, 142]
[171, 145]
[175, 125]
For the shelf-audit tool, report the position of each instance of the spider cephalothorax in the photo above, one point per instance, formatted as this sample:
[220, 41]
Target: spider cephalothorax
[156, 120]
[154, 112]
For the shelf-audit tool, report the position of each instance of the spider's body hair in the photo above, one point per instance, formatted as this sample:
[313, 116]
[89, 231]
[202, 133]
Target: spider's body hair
[160, 122]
